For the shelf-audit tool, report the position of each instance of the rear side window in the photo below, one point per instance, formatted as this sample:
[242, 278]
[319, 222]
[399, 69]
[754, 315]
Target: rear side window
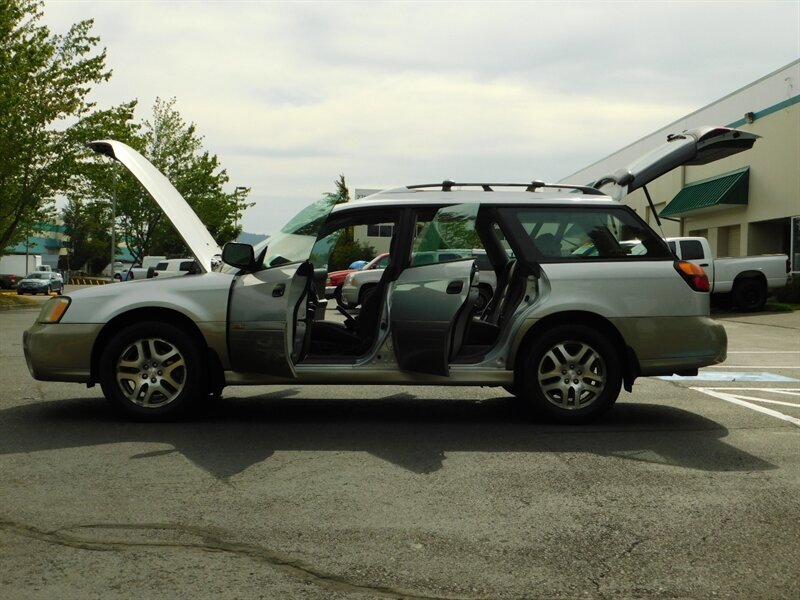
[560, 234]
[691, 250]
[186, 265]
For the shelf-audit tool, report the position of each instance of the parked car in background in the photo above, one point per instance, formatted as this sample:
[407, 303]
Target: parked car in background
[8, 281]
[175, 267]
[563, 332]
[41, 282]
[143, 270]
[745, 280]
[333, 284]
[356, 285]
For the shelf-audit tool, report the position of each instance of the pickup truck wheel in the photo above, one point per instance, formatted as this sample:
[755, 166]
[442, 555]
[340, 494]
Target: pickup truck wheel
[571, 373]
[749, 295]
[365, 291]
[152, 371]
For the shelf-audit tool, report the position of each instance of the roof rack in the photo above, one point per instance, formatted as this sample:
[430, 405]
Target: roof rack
[448, 184]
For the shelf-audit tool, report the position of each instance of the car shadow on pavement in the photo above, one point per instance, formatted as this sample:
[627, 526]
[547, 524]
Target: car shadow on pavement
[408, 431]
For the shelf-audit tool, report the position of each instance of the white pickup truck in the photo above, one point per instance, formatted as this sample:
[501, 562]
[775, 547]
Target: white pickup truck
[747, 279]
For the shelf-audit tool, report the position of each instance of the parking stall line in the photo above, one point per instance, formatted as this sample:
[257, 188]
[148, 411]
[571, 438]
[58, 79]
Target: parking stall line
[738, 399]
[787, 392]
[793, 367]
[764, 400]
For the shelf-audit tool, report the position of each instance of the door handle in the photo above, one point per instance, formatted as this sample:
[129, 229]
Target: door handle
[455, 287]
[703, 264]
[278, 290]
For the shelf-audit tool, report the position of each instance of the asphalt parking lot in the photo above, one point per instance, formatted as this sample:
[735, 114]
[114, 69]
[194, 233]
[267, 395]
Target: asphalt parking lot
[690, 488]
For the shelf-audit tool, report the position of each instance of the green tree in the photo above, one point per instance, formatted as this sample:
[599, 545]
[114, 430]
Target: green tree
[175, 148]
[89, 227]
[347, 250]
[45, 115]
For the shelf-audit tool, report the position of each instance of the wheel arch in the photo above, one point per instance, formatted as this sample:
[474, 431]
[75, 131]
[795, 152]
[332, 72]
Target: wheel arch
[166, 315]
[627, 356]
[751, 274]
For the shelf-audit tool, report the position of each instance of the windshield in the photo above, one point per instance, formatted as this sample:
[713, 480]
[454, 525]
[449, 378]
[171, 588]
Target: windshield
[39, 275]
[296, 240]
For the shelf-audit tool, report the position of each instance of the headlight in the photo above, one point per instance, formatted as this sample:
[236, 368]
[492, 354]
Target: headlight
[349, 279]
[53, 310]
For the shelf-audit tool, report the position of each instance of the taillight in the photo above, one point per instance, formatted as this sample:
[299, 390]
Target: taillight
[694, 275]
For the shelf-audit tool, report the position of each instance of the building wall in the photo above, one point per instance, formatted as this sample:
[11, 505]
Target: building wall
[763, 225]
[360, 233]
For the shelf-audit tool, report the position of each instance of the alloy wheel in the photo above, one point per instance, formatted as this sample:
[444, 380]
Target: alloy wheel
[151, 372]
[572, 375]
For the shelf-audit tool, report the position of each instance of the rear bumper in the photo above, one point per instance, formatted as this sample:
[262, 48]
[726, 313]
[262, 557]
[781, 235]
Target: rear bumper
[667, 345]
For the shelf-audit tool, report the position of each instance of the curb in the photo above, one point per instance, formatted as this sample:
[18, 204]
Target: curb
[87, 281]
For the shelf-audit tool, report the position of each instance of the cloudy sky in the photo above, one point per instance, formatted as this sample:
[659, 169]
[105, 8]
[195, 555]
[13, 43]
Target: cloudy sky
[291, 94]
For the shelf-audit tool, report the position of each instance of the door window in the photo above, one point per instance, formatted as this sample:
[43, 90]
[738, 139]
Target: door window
[449, 236]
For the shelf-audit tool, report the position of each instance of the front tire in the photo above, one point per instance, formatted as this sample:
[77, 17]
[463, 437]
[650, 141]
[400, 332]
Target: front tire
[572, 373]
[153, 371]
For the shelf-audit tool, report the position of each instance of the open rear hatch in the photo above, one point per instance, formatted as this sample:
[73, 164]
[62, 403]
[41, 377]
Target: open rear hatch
[698, 146]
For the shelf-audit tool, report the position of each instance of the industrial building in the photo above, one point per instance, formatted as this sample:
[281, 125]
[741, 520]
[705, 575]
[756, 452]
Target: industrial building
[746, 204]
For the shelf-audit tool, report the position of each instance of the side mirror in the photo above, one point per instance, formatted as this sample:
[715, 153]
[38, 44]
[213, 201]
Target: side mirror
[239, 255]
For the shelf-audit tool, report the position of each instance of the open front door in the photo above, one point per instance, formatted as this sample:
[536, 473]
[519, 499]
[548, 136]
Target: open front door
[268, 307]
[265, 329]
[430, 294]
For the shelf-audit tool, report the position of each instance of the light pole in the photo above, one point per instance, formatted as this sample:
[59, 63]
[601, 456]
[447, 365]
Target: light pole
[240, 189]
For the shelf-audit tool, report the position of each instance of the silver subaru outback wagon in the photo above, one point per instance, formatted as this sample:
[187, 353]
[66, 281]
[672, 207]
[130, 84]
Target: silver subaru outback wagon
[587, 298]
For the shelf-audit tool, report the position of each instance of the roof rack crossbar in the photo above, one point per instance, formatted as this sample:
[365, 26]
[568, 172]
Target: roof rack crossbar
[448, 184]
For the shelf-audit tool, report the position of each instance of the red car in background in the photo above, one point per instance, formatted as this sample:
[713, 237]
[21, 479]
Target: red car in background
[333, 285]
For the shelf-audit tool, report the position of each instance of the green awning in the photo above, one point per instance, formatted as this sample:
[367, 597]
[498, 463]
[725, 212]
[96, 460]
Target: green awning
[723, 191]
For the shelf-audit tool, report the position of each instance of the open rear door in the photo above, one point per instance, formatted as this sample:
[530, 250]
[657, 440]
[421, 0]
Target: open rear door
[433, 291]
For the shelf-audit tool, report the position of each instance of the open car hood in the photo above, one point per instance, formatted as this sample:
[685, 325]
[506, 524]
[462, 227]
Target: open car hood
[183, 218]
[698, 146]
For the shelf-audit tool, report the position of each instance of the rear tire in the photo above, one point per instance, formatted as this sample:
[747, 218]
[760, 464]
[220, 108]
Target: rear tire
[153, 371]
[749, 295]
[572, 374]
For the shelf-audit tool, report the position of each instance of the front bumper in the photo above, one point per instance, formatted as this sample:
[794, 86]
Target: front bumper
[28, 289]
[60, 351]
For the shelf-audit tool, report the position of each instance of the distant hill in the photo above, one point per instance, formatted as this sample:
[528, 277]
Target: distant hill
[251, 238]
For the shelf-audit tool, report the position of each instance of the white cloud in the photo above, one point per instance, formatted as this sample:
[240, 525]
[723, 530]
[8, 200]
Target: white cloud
[289, 95]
